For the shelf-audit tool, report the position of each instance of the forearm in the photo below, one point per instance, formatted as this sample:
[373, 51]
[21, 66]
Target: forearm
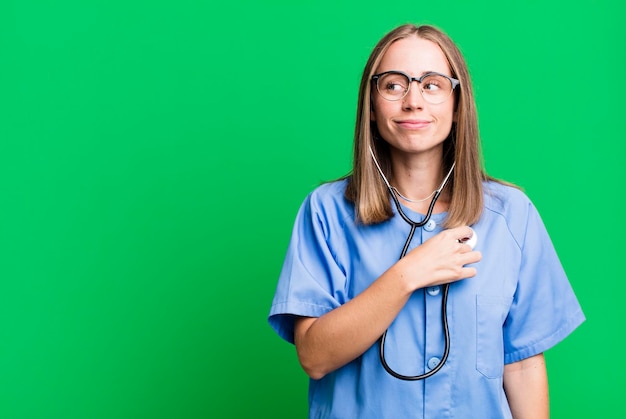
[526, 387]
[327, 343]
[341, 335]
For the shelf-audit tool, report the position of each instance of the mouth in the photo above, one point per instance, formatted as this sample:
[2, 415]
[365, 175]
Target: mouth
[413, 123]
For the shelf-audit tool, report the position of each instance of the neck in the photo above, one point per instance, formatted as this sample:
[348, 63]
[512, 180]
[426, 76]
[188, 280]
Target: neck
[417, 180]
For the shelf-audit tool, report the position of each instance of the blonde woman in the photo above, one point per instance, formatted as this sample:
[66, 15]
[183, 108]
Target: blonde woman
[418, 286]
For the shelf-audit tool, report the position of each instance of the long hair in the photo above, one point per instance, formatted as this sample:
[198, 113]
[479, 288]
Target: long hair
[365, 187]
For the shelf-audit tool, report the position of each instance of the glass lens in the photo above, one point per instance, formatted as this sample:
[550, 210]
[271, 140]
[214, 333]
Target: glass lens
[436, 88]
[393, 86]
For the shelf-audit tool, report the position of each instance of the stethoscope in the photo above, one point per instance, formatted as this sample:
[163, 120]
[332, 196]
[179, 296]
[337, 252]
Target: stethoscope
[444, 301]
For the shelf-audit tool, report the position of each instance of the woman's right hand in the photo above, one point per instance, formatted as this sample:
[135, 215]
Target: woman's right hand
[439, 260]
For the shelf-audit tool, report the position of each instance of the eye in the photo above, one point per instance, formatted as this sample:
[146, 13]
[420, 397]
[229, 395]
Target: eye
[436, 85]
[394, 87]
[394, 83]
[432, 84]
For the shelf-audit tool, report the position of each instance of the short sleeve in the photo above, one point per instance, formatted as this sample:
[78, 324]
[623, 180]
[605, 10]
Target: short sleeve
[311, 282]
[544, 309]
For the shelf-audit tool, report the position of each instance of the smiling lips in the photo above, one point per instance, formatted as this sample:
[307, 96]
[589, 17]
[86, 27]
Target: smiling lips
[413, 123]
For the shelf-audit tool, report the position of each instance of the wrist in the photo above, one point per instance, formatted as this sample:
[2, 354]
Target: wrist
[405, 276]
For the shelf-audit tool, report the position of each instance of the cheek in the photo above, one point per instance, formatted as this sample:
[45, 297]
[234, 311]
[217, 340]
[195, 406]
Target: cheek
[448, 114]
[380, 110]
[374, 107]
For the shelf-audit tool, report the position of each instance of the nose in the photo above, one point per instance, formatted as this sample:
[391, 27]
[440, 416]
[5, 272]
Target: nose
[414, 98]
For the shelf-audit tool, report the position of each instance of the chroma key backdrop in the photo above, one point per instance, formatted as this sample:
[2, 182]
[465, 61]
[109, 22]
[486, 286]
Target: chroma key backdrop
[153, 155]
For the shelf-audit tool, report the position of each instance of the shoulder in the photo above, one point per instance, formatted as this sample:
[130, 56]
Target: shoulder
[329, 192]
[502, 198]
[511, 205]
[328, 204]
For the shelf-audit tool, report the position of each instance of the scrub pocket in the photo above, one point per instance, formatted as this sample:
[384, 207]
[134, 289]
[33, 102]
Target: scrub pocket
[491, 311]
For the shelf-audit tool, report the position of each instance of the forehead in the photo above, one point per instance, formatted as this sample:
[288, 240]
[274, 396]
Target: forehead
[414, 56]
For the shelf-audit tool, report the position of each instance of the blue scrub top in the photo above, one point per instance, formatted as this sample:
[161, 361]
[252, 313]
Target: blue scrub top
[518, 305]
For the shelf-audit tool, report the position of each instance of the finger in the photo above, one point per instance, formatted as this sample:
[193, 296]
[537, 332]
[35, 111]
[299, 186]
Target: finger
[470, 239]
[463, 273]
[468, 272]
[461, 233]
[470, 257]
[464, 247]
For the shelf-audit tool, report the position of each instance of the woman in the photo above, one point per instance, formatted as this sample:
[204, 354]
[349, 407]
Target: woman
[342, 285]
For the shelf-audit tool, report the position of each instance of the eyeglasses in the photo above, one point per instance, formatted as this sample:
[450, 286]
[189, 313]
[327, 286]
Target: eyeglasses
[435, 88]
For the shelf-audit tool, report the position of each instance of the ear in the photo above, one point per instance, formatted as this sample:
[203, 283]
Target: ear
[372, 115]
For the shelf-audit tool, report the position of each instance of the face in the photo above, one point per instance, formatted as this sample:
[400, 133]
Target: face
[412, 125]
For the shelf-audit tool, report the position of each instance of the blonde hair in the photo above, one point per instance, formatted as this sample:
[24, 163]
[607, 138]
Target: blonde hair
[365, 187]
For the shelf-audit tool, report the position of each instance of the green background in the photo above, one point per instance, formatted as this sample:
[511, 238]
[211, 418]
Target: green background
[153, 155]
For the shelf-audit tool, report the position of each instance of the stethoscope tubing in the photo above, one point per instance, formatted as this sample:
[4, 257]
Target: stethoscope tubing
[444, 301]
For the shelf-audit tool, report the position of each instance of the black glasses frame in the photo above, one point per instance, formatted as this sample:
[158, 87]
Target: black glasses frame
[377, 77]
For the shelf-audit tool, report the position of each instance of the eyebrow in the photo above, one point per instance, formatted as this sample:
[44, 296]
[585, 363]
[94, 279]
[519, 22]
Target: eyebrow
[424, 72]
